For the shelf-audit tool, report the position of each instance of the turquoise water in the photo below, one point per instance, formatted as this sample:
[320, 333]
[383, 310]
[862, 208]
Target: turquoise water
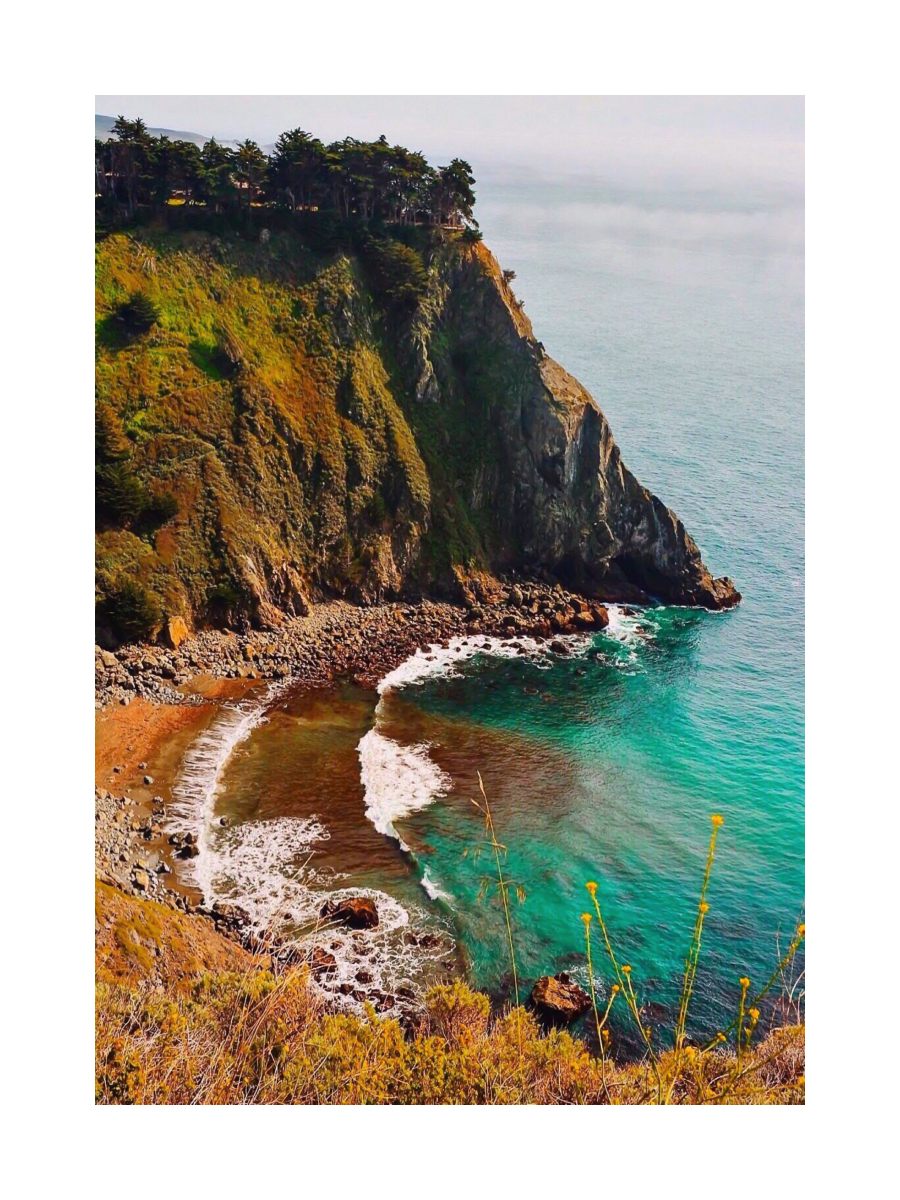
[683, 315]
[684, 318]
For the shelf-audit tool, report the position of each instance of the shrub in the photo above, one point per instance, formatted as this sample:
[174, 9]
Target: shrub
[120, 497]
[456, 1013]
[159, 510]
[396, 272]
[133, 611]
[260, 1039]
[139, 313]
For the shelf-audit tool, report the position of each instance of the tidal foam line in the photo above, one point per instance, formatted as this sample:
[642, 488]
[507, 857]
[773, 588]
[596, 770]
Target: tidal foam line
[399, 780]
[195, 791]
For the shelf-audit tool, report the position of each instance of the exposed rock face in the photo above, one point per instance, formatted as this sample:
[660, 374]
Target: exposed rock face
[547, 469]
[325, 445]
[558, 997]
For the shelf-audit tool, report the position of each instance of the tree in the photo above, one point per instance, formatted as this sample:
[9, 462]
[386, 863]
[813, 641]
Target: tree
[298, 168]
[139, 313]
[373, 183]
[185, 170]
[216, 175]
[132, 159]
[177, 167]
[250, 165]
[118, 495]
[134, 612]
[396, 271]
[458, 199]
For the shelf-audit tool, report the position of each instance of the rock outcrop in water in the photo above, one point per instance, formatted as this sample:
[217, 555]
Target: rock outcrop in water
[316, 442]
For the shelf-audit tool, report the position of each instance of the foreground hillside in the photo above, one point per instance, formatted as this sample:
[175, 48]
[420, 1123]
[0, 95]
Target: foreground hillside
[170, 1030]
[276, 422]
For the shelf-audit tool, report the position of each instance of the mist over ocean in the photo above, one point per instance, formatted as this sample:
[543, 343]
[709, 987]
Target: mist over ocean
[682, 313]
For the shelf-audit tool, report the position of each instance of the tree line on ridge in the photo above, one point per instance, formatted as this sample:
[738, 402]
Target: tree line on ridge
[351, 179]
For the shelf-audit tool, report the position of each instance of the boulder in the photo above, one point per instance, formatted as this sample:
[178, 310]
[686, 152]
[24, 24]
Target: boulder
[176, 631]
[359, 912]
[558, 997]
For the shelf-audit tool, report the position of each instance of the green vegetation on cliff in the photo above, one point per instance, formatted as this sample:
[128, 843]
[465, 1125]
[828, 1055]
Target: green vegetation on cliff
[250, 444]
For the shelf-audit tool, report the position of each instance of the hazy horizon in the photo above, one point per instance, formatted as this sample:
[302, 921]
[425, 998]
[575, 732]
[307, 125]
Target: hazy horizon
[702, 142]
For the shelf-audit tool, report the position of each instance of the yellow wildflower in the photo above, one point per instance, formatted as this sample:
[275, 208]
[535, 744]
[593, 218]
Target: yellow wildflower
[615, 988]
[586, 917]
[717, 820]
[626, 970]
[591, 887]
[744, 982]
[704, 908]
[801, 930]
[754, 1013]
[720, 1037]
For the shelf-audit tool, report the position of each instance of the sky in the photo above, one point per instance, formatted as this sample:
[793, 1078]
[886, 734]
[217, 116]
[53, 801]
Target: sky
[716, 142]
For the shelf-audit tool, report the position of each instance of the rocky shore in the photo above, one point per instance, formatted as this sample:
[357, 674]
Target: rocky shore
[339, 640]
[124, 858]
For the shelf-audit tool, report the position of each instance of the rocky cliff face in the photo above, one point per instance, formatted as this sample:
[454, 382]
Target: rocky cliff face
[543, 467]
[314, 442]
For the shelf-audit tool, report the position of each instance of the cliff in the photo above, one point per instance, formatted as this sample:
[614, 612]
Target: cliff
[281, 431]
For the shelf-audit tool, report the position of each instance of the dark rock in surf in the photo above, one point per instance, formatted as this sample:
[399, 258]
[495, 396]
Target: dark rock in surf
[322, 965]
[358, 912]
[231, 915]
[559, 998]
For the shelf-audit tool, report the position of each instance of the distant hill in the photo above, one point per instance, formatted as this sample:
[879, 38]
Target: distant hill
[103, 129]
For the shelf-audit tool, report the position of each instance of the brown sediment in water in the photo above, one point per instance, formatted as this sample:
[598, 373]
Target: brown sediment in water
[306, 762]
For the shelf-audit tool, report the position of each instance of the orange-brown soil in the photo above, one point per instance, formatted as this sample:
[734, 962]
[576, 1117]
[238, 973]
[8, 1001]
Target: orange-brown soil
[155, 734]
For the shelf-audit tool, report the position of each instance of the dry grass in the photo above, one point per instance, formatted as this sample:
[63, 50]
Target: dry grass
[264, 1040]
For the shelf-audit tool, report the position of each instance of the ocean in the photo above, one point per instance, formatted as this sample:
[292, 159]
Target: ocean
[682, 314]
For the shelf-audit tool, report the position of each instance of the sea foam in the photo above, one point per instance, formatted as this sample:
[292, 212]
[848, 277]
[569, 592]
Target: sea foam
[195, 791]
[271, 869]
[398, 780]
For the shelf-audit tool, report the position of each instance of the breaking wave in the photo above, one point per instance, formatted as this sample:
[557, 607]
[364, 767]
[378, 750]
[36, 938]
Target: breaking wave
[195, 791]
[398, 780]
